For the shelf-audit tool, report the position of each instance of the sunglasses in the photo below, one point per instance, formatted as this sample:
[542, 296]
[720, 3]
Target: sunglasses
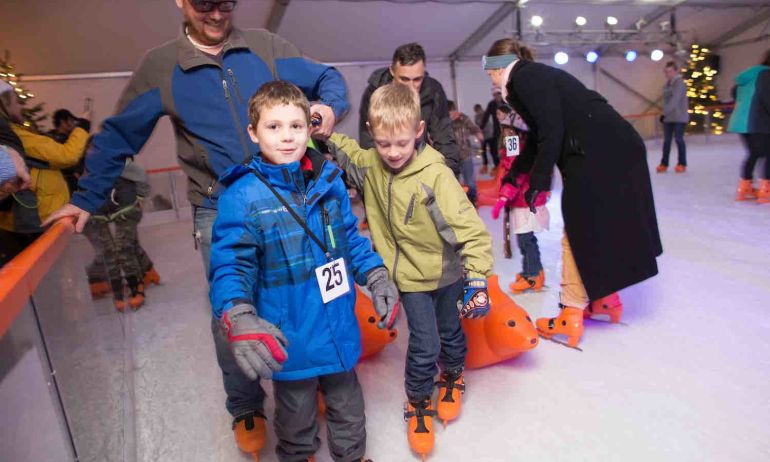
[207, 6]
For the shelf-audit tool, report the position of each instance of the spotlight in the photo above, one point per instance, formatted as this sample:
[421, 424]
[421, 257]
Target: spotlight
[612, 21]
[561, 58]
[536, 21]
[656, 55]
[630, 56]
[581, 21]
[592, 56]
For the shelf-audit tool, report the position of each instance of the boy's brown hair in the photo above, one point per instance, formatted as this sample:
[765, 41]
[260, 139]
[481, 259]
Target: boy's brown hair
[392, 107]
[274, 94]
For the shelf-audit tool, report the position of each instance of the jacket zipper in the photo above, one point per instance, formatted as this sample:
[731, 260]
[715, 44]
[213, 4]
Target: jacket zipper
[237, 120]
[235, 85]
[390, 225]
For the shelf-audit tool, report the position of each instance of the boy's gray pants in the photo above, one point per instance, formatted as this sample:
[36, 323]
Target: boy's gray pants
[296, 409]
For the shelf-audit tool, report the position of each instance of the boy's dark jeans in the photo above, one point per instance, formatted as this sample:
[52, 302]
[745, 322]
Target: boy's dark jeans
[530, 255]
[677, 131]
[435, 335]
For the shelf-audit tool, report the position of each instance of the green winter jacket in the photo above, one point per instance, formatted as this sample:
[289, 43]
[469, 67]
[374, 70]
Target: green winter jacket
[421, 221]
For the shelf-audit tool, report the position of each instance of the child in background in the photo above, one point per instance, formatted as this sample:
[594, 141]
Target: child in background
[284, 253]
[465, 132]
[118, 252]
[435, 246]
[526, 222]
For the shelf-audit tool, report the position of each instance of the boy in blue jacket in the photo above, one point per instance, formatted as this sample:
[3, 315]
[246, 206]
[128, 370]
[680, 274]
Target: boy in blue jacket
[285, 254]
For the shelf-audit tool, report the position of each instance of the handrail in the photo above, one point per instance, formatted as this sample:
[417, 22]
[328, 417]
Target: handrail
[20, 277]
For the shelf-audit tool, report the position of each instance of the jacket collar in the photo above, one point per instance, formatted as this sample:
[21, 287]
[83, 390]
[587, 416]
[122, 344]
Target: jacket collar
[290, 176]
[424, 157]
[190, 57]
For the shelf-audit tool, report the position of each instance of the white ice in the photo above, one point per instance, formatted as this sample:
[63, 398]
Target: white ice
[687, 379]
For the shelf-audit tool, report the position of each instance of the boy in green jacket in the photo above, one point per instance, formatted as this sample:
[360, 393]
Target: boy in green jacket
[434, 244]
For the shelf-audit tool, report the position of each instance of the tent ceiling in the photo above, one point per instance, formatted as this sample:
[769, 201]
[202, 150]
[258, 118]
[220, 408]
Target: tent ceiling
[79, 36]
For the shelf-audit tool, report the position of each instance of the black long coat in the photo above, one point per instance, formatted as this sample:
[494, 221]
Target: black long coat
[607, 202]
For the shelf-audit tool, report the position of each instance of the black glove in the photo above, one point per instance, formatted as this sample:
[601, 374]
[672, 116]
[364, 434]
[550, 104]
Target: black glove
[259, 347]
[529, 196]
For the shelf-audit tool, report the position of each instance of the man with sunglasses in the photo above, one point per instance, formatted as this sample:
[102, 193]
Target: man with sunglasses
[203, 81]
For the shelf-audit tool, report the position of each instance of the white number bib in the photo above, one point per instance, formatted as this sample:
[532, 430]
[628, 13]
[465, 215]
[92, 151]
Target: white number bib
[512, 146]
[332, 280]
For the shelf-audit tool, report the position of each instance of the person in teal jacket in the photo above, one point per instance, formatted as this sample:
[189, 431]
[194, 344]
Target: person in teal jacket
[285, 253]
[751, 119]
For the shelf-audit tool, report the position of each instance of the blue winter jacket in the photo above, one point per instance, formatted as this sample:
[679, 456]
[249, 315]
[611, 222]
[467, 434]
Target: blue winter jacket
[207, 102]
[260, 255]
[752, 101]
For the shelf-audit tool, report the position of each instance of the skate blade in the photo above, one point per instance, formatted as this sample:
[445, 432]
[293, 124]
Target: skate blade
[608, 321]
[561, 342]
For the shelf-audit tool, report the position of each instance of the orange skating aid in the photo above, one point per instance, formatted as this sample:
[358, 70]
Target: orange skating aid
[763, 193]
[249, 431]
[419, 418]
[451, 387]
[522, 284]
[609, 305]
[373, 340]
[746, 191]
[504, 333]
[569, 323]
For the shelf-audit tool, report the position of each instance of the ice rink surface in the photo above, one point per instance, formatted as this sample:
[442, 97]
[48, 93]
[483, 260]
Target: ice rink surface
[687, 378]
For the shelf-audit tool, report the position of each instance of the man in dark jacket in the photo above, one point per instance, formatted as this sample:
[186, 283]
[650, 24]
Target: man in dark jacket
[408, 68]
[203, 80]
[63, 123]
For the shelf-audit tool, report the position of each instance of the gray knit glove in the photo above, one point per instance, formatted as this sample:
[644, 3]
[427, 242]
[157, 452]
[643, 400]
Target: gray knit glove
[384, 296]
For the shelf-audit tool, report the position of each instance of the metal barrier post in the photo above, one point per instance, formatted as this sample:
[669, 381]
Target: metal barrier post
[173, 194]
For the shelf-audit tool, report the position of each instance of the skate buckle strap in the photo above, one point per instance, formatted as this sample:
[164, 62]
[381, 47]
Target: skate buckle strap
[420, 413]
[450, 384]
[551, 323]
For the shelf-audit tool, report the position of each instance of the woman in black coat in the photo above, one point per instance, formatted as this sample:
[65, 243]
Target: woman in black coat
[611, 231]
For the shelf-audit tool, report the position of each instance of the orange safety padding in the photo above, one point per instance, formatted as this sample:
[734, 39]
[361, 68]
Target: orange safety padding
[504, 333]
[20, 277]
[373, 340]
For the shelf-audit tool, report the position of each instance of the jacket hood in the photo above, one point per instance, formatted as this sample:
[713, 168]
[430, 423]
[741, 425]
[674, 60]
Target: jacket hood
[750, 75]
[426, 156]
[270, 170]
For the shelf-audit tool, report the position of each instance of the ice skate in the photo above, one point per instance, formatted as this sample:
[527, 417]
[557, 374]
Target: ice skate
[610, 305]
[151, 277]
[661, 168]
[746, 191]
[523, 284]
[137, 294]
[99, 289]
[451, 387]
[763, 194]
[419, 416]
[117, 295]
[680, 168]
[249, 431]
[483, 170]
[568, 323]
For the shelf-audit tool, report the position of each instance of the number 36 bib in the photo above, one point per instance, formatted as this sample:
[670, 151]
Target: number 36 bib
[332, 280]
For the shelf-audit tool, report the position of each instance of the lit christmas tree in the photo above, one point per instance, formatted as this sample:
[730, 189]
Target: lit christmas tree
[700, 76]
[33, 115]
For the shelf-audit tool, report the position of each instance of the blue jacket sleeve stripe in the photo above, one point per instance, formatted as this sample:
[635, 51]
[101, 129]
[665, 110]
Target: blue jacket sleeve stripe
[317, 81]
[121, 136]
[233, 272]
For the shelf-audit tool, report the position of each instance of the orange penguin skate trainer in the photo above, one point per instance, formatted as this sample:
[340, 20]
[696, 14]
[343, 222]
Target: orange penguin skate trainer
[609, 305]
[522, 284]
[569, 323]
[249, 433]
[373, 339]
[419, 417]
[451, 387]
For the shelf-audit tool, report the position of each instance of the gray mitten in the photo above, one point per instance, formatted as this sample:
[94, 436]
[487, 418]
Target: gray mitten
[384, 296]
[259, 347]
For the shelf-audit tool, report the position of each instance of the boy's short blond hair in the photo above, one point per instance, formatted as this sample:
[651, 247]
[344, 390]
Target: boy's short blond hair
[274, 94]
[392, 107]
